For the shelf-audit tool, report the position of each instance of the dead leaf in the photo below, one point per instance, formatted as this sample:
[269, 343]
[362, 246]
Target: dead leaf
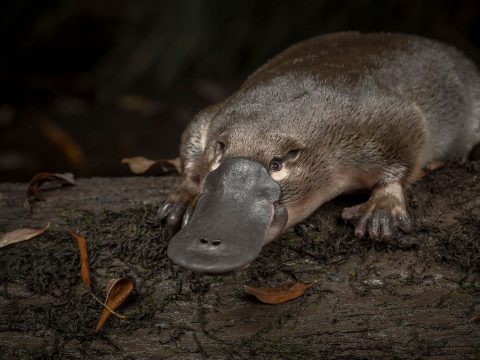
[280, 294]
[140, 164]
[20, 235]
[84, 269]
[434, 165]
[33, 189]
[475, 318]
[174, 164]
[117, 292]
[431, 166]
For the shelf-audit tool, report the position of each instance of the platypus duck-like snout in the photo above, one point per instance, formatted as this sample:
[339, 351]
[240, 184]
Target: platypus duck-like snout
[238, 213]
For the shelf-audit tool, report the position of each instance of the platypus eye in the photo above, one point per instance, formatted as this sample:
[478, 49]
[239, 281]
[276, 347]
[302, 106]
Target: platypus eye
[276, 165]
[290, 156]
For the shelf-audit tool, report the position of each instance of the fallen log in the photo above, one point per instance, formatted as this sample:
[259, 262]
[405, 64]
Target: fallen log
[415, 297]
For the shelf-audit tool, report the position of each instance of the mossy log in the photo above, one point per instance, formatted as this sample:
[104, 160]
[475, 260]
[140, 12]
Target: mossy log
[417, 296]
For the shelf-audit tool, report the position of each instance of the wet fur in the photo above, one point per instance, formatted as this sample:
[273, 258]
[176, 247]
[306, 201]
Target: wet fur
[368, 110]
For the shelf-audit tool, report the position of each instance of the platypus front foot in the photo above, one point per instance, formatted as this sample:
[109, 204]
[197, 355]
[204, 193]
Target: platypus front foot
[381, 215]
[177, 210]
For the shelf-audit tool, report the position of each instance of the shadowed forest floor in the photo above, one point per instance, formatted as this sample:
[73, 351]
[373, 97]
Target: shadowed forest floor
[414, 297]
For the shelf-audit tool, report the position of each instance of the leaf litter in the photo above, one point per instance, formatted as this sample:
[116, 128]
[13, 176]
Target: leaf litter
[20, 235]
[33, 189]
[140, 164]
[281, 294]
[117, 290]
[84, 269]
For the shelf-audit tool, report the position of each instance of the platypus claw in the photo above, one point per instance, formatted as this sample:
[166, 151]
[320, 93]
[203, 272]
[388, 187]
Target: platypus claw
[164, 210]
[175, 215]
[187, 216]
[380, 223]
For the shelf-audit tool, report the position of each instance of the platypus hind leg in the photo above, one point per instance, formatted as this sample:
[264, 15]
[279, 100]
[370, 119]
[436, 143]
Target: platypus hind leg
[381, 214]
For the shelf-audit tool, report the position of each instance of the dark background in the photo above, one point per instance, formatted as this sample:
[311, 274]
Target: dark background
[86, 83]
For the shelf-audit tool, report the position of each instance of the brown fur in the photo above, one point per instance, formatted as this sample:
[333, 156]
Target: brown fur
[342, 112]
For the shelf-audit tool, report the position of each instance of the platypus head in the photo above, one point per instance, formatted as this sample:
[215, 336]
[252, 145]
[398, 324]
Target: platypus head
[238, 213]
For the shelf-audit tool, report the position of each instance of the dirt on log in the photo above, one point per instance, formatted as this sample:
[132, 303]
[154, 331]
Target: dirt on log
[415, 297]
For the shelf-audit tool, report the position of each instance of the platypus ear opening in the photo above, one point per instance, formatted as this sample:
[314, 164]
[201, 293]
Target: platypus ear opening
[293, 151]
[293, 155]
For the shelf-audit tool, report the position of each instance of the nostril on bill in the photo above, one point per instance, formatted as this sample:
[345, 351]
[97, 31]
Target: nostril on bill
[205, 242]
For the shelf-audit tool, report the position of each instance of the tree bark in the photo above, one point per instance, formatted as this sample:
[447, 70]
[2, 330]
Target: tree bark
[415, 297]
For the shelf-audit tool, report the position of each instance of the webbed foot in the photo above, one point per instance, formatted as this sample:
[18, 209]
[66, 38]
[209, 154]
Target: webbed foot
[178, 209]
[381, 215]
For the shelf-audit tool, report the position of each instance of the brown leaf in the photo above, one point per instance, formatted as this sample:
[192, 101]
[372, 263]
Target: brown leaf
[117, 292]
[140, 164]
[20, 235]
[434, 165]
[33, 189]
[280, 294]
[173, 164]
[84, 269]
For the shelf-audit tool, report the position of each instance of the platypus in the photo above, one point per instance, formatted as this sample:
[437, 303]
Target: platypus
[330, 115]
